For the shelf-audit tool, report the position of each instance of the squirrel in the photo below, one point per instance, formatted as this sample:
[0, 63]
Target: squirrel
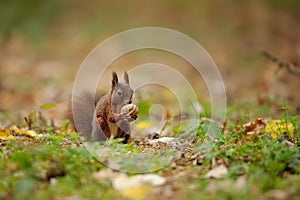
[110, 115]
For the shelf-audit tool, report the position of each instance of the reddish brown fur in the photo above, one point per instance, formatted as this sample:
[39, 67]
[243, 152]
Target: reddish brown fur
[96, 117]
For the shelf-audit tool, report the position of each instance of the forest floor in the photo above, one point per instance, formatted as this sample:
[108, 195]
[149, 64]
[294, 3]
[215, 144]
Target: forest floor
[248, 158]
[253, 153]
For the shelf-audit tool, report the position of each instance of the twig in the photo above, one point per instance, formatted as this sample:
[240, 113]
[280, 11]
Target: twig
[28, 122]
[290, 67]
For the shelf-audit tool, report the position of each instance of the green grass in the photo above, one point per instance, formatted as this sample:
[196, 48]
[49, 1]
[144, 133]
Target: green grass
[27, 166]
[57, 165]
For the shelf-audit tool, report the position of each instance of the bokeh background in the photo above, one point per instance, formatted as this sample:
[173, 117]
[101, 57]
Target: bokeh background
[43, 43]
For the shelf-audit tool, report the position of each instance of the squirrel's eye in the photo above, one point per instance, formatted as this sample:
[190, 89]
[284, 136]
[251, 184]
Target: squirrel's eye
[119, 93]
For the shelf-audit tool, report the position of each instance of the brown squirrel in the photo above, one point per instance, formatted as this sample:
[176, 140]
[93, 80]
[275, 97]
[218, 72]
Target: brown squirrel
[100, 118]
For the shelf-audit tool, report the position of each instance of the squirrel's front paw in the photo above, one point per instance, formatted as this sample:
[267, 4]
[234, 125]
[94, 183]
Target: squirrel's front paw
[130, 110]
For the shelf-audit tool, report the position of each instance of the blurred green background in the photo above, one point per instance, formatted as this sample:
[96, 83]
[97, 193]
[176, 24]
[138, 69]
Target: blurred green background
[44, 42]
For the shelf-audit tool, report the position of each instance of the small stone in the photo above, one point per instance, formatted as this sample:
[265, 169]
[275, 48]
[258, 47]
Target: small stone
[217, 172]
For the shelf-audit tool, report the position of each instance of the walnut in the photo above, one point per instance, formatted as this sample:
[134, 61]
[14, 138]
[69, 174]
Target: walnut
[130, 109]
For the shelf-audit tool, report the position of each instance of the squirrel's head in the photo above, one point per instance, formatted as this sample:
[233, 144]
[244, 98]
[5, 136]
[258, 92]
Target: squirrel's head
[121, 92]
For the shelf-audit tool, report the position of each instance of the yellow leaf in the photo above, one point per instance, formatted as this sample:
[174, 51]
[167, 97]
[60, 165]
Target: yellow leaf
[278, 127]
[137, 192]
[48, 105]
[143, 124]
[4, 132]
[16, 129]
[8, 137]
[30, 133]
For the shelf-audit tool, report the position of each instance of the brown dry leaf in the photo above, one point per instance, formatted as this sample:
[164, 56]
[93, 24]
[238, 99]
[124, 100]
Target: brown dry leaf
[217, 172]
[251, 129]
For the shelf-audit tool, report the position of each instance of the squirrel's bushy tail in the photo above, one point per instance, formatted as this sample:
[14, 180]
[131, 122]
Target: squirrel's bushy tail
[84, 106]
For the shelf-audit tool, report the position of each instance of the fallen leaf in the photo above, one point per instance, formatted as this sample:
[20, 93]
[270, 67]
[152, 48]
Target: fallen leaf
[125, 181]
[48, 105]
[251, 129]
[5, 134]
[138, 192]
[217, 172]
[255, 126]
[143, 124]
[137, 187]
[278, 127]
[30, 133]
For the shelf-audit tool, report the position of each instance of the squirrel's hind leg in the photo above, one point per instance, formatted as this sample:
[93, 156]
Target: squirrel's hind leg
[100, 130]
[124, 131]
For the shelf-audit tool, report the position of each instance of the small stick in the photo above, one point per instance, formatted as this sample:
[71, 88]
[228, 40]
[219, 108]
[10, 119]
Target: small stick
[28, 122]
[290, 67]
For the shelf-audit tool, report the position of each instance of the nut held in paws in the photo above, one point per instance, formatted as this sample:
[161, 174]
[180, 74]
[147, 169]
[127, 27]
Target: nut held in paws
[129, 108]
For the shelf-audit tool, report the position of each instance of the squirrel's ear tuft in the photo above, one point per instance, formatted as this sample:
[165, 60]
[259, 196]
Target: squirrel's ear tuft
[126, 78]
[115, 79]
